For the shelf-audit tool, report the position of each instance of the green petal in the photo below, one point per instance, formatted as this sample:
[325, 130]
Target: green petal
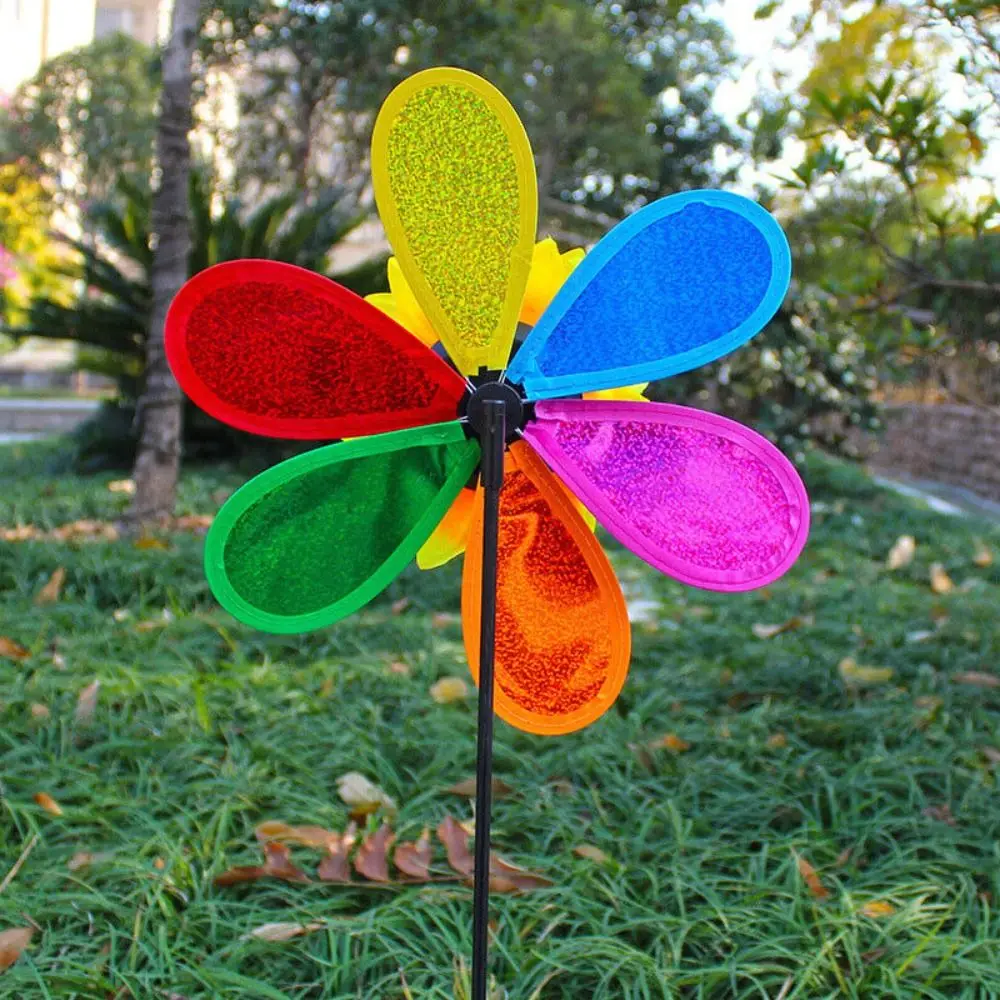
[315, 538]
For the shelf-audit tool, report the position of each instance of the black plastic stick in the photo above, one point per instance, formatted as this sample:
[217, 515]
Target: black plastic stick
[493, 435]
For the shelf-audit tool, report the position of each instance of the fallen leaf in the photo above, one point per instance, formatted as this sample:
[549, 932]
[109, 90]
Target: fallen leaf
[591, 853]
[12, 943]
[499, 789]
[305, 836]
[362, 796]
[941, 583]
[165, 617]
[642, 755]
[47, 803]
[12, 650]
[159, 864]
[442, 619]
[84, 529]
[335, 867]
[902, 552]
[449, 689]
[49, 594]
[39, 711]
[146, 542]
[843, 857]
[398, 607]
[811, 879]
[413, 858]
[857, 676]
[399, 668]
[277, 864]
[456, 843]
[941, 813]
[877, 908]
[284, 932]
[326, 688]
[84, 859]
[983, 556]
[777, 740]
[191, 522]
[86, 703]
[992, 754]
[873, 956]
[126, 486]
[371, 860]
[672, 742]
[977, 678]
[505, 877]
[770, 631]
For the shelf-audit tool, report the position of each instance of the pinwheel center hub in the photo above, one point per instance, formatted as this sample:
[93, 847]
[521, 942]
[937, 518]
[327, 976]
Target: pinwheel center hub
[515, 410]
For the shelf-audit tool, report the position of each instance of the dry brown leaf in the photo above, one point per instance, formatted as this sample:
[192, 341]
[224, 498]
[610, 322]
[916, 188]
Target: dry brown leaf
[902, 552]
[363, 796]
[47, 803]
[874, 955]
[777, 740]
[126, 486]
[191, 522]
[843, 857]
[456, 843]
[978, 678]
[442, 619]
[371, 860]
[413, 858]
[86, 703]
[449, 689]
[284, 932]
[398, 607]
[84, 859]
[12, 650]
[499, 789]
[83, 530]
[811, 879]
[941, 813]
[12, 942]
[335, 867]
[399, 668]
[983, 556]
[505, 877]
[877, 908]
[49, 594]
[165, 617]
[277, 864]
[854, 675]
[159, 864]
[941, 583]
[671, 742]
[146, 542]
[305, 836]
[770, 631]
[591, 853]
[39, 711]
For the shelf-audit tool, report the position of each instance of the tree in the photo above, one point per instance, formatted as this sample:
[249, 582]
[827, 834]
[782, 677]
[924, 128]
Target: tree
[158, 456]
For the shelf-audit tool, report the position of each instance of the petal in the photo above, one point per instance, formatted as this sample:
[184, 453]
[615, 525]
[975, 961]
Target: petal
[562, 636]
[402, 306]
[549, 271]
[278, 350]
[676, 285]
[635, 393]
[455, 185]
[449, 537]
[318, 536]
[700, 497]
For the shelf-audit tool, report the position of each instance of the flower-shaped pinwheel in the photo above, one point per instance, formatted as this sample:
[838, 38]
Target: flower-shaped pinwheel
[276, 350]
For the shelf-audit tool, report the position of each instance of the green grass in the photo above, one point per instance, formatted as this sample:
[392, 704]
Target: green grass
[205, 728]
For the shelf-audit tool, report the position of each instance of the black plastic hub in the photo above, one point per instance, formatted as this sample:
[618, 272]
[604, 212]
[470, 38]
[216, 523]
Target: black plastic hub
[488, 386]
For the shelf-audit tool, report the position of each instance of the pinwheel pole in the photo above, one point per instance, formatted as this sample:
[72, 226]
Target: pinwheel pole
[493, 434]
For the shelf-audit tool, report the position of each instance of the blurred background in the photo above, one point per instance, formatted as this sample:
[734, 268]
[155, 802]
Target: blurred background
[872, 129]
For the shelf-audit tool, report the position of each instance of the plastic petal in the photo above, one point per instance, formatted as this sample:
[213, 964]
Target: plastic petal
[562, 637]
[680, 283]
[274, 349]
[702, 498]
[549, 271]
[454, 182]
[400, 303]
[314, 538]
[449, 537]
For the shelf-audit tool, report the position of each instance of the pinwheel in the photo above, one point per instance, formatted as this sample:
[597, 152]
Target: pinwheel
[276, 350]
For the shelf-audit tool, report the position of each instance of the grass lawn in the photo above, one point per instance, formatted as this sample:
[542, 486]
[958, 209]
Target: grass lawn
[203, 729]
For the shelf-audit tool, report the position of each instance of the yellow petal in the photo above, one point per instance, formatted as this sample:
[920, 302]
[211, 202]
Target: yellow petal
[455, 186]
[400, 304]
[627, 393]
[449, 537]
[549, 271]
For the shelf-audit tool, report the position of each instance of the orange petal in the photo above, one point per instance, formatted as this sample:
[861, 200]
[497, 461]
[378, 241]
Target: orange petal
[563, 641]
[549, 270]
[448, 539]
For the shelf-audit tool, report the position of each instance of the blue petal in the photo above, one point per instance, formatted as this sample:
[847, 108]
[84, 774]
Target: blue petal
[678, 284]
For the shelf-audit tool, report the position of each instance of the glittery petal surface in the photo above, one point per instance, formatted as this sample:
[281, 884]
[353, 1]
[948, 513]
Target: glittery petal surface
[274, 349]
[314, 538]
[563, 642]
[455, 185]
[448, 539]
[679, 283]
[700, 497]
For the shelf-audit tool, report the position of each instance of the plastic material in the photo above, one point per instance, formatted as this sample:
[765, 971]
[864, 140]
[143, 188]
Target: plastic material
[318, 536]
[454, 181]
[702, 498]
[563, 642]
[448, 539]
[274, 349]
[680, 283]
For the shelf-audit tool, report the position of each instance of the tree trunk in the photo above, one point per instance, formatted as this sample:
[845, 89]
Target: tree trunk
[158, 457]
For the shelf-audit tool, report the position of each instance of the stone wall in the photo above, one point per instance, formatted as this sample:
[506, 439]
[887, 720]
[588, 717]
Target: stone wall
[946, 443]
